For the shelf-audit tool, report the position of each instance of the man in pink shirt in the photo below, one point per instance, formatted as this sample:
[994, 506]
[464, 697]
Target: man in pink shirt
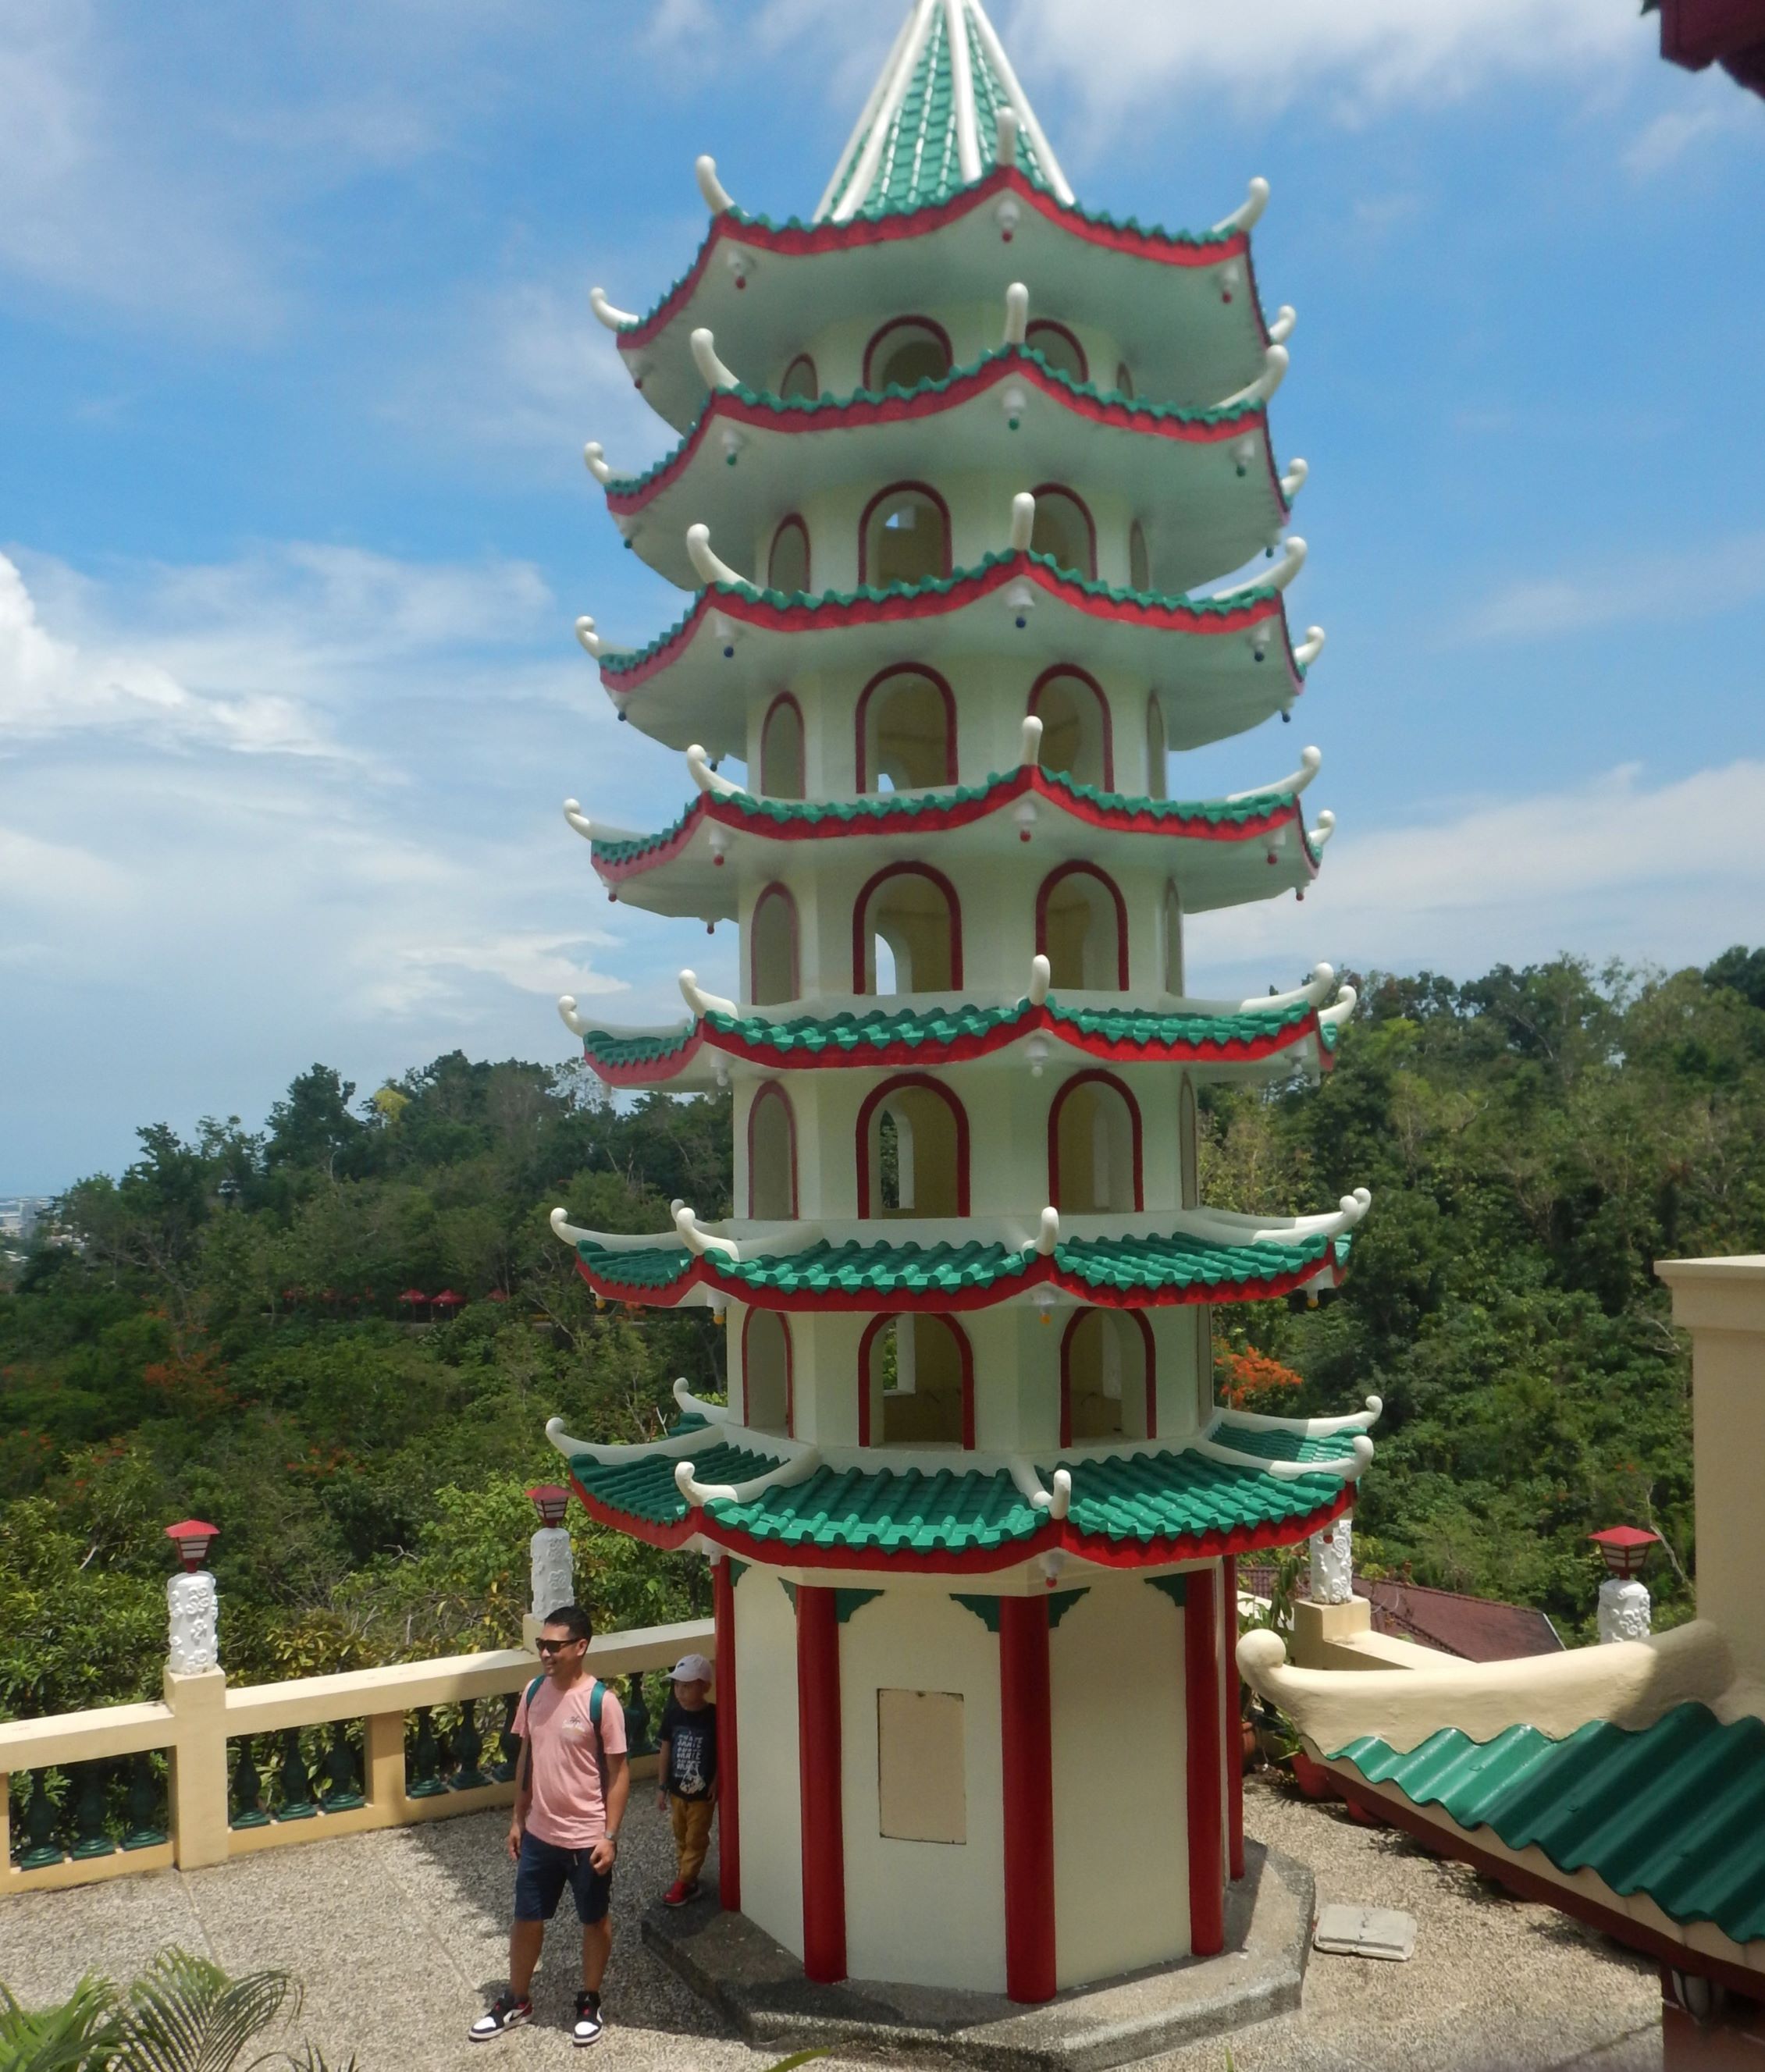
[573, 1780]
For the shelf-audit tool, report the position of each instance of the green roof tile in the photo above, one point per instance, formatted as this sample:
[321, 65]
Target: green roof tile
[1153, 1498]
[1676, 1810]
[1279, 1444]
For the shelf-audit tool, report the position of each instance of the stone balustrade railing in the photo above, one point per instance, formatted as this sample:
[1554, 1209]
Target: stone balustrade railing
[216, 1771]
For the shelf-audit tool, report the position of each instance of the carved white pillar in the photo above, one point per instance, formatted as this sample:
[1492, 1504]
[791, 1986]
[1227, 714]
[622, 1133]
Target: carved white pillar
[193, 1645]
[552, 1570]
[1623, 1610]
[1333, 1563]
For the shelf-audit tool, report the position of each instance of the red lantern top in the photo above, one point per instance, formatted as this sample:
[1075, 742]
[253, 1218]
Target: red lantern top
[1625, 1548]
[191, 1536]
[550, 1502]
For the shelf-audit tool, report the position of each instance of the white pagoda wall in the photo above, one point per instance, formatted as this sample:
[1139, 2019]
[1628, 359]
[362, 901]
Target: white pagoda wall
[974, 328]
[770, 1789]
[1121, 1833]
[930, 1912]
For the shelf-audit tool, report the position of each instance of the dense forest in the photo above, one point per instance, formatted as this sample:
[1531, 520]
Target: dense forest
[231, 1328]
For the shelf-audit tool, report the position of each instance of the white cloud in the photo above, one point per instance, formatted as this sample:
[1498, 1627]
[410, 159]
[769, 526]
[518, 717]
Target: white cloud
[1626, 588]
[1667, 874]
[1665, 140]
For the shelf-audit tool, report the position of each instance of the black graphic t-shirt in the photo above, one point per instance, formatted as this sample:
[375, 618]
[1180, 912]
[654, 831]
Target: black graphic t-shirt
[692, 1749]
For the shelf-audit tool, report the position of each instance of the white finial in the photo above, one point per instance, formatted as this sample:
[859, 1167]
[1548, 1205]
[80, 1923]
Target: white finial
[1005, 137]
[712, 371]
[1310, 647]
[589, 639]
[563, 1227]
[717, 199]
[1289, 565]
[572, 1021]
[1310, 763]
[615, 319]
[1047, 1236]
[1248, 211]
[1041, 978]
[1275, 362]
[710, 569]
[1281, 329]
[1294, 479]
[702, 1003]
[1023, 521]
[968, 132]
[698, 1239]
[578, 819]
[1325, 828]
[1341, 1009]
[1017, 313]
[1060, 1498]
[706, 778]
[594, 454]
[1030, 741]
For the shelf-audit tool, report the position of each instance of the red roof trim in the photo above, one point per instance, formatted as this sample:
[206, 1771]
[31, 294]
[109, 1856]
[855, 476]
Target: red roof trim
[900, 608]
[898, 1302]
[971, 1561]
[965, 1049]
[801, 240]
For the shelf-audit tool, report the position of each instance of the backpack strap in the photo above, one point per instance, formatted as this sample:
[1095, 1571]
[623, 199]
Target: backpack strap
[526, 1779]
[596, 1699]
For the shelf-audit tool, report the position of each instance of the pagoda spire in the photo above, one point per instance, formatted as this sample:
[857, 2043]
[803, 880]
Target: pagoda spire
[945, 108]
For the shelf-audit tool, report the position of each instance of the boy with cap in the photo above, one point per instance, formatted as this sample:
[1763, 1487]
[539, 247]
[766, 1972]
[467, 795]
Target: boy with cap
[687, 1778]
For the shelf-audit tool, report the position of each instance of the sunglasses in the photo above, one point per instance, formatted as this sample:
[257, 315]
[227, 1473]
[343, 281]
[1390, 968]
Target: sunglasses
[555, 1647]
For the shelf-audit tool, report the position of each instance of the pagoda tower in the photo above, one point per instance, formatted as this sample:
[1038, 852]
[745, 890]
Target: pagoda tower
[958, 462]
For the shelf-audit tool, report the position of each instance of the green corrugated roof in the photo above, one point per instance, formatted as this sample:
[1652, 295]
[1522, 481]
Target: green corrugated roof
[1219, 607]
[1288, 1444]
[898, 806]
[1130, 1264]
[1676, 1810]
[1154, 1497]
[801, 406]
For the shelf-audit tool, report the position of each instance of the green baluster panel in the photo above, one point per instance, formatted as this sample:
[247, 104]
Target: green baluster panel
[468, 1747]
[503, 1769]
[90, 1835]
[145, 1826]
[247, 1789]
[638, 1738]
[296, 1788]
[424, 1766]
[342, 1789]
[38, 1829]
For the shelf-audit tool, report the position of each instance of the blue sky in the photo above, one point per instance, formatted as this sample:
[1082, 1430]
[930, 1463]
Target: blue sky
[296, 364]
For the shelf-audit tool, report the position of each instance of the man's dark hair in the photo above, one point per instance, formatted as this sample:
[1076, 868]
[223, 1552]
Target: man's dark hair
[582, 1627]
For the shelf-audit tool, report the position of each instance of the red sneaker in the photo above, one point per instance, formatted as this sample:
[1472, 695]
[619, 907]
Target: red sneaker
[679, 1894]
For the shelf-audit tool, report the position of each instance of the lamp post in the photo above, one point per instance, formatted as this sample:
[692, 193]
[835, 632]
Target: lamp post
[552, 1571]
[192, 1645]
[1623, 1601]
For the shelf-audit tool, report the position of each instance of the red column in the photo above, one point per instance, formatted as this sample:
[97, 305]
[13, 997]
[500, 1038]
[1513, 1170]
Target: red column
[818, 1766]
[1027, 1758]
[1231, 1719]
[729, 1821]
[1201, 1688]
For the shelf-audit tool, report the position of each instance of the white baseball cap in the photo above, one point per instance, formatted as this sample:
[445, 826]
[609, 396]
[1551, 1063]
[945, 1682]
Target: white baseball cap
[692, 1669]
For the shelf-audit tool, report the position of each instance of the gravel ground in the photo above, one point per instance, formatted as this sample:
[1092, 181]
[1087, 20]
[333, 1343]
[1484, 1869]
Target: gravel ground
[399, 1938]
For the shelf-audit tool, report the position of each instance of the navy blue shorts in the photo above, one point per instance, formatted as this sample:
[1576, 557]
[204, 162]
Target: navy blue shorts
[543, 1871]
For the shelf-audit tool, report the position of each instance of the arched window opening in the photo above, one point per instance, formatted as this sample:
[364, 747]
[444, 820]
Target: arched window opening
[1139, 560]
[912, 910]
[1158, 750]
[1124, 381]
[917, 1384]
[1076, 739]
[1107, 1381]
[788, 566]
[768, 1395]
[1094, 1148]
[912, 1150]
[1173, 940]
[799, 384]
[906, 732]
[1058, 345]
[905, 537]
[781, 750]
[1064, 531]
[906, 352]
[1081, 927]
[773, 949]
[772, 1156]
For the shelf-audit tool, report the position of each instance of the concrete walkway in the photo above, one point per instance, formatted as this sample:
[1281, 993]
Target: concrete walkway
[401, 1936]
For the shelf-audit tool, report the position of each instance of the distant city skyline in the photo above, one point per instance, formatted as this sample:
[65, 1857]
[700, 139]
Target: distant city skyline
[298, 367]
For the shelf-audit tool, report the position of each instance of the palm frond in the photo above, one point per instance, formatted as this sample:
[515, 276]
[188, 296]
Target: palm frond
[78, 2035]
[184, 2014]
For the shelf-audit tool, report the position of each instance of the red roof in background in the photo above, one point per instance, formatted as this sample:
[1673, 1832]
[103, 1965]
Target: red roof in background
[1731, 33]
[1473, 1629]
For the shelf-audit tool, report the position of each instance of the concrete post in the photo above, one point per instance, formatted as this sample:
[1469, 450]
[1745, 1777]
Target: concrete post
[199, 1764]
[192, 1645]
[1623, 1609]
[1333, 1563]
[384, 1751]
[552, 1571]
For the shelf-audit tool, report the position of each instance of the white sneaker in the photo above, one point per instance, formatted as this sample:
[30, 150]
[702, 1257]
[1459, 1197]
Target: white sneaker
[588, 2019]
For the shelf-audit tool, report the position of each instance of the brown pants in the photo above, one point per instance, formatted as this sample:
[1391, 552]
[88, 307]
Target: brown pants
[692, 1819]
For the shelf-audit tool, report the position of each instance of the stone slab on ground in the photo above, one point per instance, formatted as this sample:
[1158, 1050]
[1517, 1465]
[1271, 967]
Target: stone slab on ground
[759, 1986]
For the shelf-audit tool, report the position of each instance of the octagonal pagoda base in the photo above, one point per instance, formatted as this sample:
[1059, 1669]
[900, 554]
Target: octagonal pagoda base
[755, 1982]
